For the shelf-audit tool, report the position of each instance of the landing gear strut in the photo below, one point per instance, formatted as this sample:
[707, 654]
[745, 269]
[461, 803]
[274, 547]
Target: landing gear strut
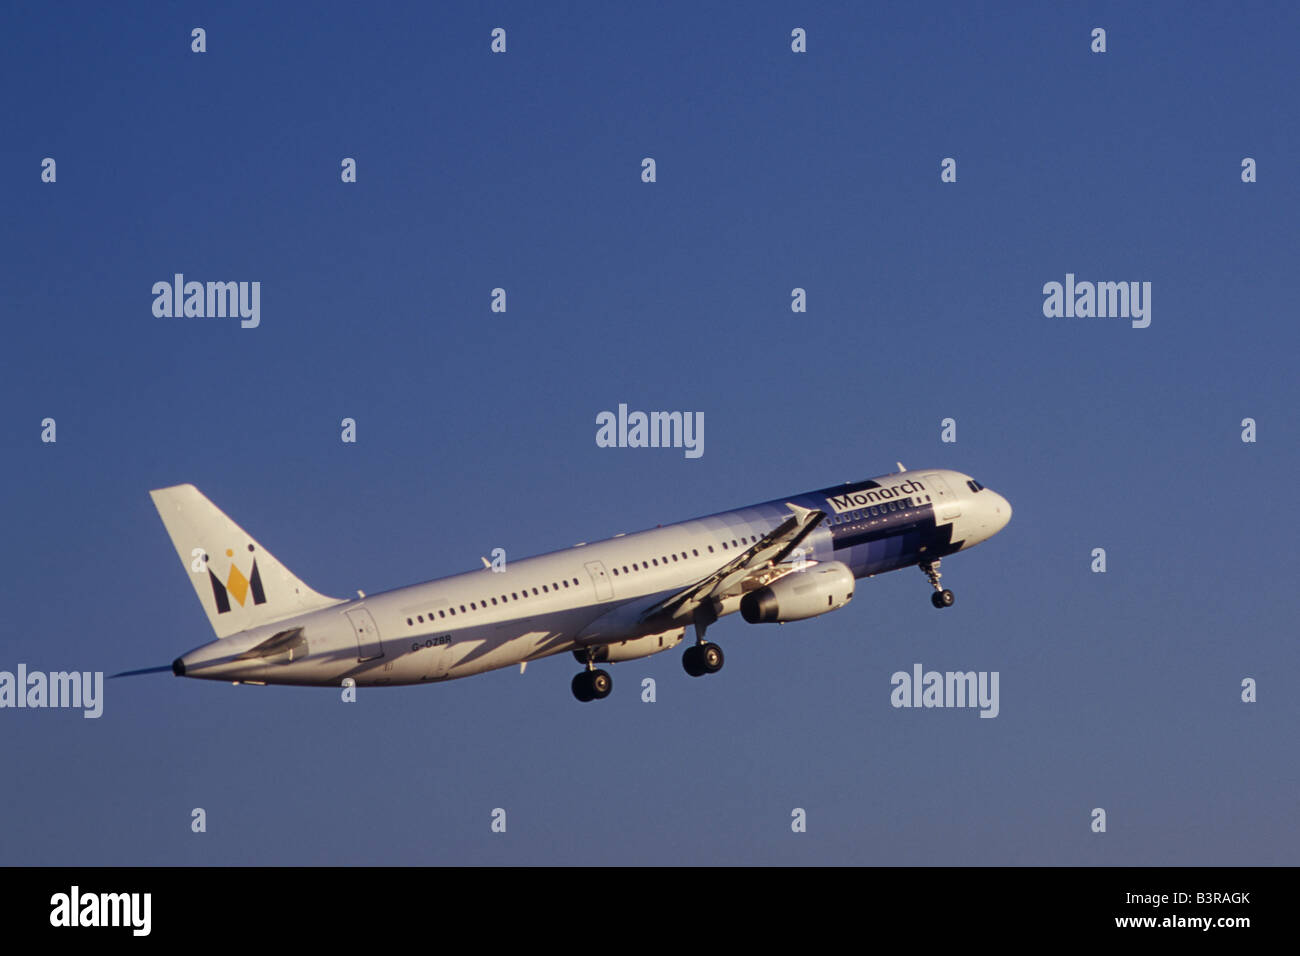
[703, 657]
[941, 597]
[592, 684]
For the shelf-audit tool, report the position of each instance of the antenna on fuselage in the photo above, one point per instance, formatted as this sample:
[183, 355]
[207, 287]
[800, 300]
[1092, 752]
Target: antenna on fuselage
[901, 467]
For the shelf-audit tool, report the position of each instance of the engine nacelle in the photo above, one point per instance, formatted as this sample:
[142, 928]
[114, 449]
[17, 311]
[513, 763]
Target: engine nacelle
[632, 649]
[800, 594]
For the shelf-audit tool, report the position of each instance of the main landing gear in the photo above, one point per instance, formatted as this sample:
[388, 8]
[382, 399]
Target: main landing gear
[592, 684]
[941, 597]
[701, 659]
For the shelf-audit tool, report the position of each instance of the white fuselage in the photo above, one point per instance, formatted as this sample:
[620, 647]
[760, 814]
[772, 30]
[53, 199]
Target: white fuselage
[587, 595]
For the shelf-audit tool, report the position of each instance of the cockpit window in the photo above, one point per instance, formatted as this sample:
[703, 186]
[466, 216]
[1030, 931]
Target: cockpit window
[974, 485]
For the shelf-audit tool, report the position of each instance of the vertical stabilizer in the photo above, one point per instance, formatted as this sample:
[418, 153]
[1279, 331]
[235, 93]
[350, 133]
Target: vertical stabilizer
[239, 583]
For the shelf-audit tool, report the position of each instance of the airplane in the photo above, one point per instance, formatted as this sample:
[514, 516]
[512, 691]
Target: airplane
[610, 601]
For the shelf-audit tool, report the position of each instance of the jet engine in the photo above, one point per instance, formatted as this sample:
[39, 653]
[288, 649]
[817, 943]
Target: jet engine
[800, 594]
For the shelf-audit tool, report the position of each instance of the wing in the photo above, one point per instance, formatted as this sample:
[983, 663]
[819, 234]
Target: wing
[700, 601]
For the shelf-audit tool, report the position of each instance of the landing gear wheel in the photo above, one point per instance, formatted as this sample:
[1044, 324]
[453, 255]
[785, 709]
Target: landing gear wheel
[701, 659]
[582, 686]
[942, 599]
[592, 685]
[692, 661]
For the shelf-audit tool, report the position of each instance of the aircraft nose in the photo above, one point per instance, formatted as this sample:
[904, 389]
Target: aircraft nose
[1001, 510]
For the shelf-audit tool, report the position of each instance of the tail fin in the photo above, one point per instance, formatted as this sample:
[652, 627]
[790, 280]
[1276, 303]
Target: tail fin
[239, 583]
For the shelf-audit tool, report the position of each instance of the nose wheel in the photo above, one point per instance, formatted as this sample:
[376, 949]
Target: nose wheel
[941, 597]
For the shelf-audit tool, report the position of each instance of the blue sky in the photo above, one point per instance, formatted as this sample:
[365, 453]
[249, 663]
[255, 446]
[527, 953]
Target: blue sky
[476, 429]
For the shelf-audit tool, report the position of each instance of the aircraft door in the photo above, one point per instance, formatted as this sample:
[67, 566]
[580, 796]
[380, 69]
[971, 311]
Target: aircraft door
[946, 505]
[369, 644]
[604, 587]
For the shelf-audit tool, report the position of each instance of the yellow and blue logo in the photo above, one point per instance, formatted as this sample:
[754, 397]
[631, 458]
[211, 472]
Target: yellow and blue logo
[237, 585]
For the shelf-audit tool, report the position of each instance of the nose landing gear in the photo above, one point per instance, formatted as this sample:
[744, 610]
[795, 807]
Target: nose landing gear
[941, 597]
